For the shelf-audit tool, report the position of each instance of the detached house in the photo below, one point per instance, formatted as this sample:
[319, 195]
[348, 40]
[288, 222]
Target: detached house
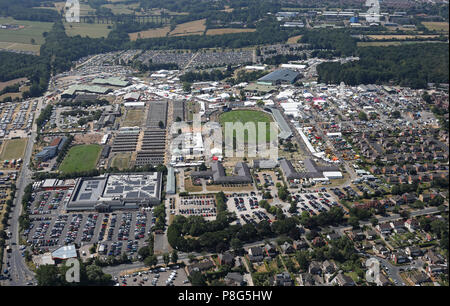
[412, 225]
[433, 257]
[283, 279]
[343, 280]
[315, 268]
[398, 226]
[300, 244]
[255, 254]
[434, 270]
[413, 251]
[329, 267]
[270, 250]
[226, 259]
[287, 248]
[380, 249]
[384, 228]
[234, 279]
[399, 257]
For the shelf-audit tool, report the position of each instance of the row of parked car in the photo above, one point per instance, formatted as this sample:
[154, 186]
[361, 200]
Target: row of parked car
[89, 227]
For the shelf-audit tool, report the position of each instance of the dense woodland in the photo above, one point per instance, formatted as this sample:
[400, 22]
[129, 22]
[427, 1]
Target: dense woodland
[338, 40]
[23, 10]
[35, 68]
[412, 65]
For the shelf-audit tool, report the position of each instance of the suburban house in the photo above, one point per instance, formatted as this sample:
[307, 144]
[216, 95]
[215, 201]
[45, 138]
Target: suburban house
[398, 226]
[412, 225]
[283, 279]
[255, 254]
[343, 280]
[371, 234]
[226, 259]
[300, 244]
[399, 257]
[356, 235]
[306, 279]
[234, 279]
[200, 266]
[380, 249]
[315, 268]
[433, 257]
[419, 277]
[333, 236]
[413, 251]
[270, 250]
[434, 270]
[384, 228]
[287, 248]
[329, 267]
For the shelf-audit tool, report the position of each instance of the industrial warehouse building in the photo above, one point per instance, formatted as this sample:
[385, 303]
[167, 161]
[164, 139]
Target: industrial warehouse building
[111, 81]
[75, 89]
[280, 76]
[116, 191]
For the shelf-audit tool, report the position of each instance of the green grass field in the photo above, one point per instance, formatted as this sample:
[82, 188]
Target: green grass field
[13, 149]
[92, 30]
[32, 29]
[121, 160]
[133, 117]
[80, 158]
[245, 116]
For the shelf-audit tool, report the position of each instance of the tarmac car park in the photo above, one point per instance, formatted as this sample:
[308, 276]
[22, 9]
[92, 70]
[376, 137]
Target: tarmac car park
[314, 201]
[171, 276]
[198, 205]
[53, 228]
[246, 207]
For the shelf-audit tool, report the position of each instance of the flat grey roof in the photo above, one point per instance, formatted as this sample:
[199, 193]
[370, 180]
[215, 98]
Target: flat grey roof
[170, 187]
[286, 131]
[283, 75]
[116, 191]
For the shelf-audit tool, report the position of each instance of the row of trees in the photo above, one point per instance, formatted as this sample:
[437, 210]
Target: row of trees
[44, 116]
[154, 66]
[90, 274]
[84, 103]
[213, 75]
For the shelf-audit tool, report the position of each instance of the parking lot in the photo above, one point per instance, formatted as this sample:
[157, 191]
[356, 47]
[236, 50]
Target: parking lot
[246, 207]
[116, 233]
[198, 205]
[175, 276]
[314, 202]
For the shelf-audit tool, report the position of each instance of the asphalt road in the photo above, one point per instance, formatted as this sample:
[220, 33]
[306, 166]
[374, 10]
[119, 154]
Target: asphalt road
[19, 271]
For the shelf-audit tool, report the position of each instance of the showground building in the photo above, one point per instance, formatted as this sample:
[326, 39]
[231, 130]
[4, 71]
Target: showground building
[116, 192]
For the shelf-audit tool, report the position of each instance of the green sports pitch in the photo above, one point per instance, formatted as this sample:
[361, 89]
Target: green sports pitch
[80, 158]
[245, 116]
